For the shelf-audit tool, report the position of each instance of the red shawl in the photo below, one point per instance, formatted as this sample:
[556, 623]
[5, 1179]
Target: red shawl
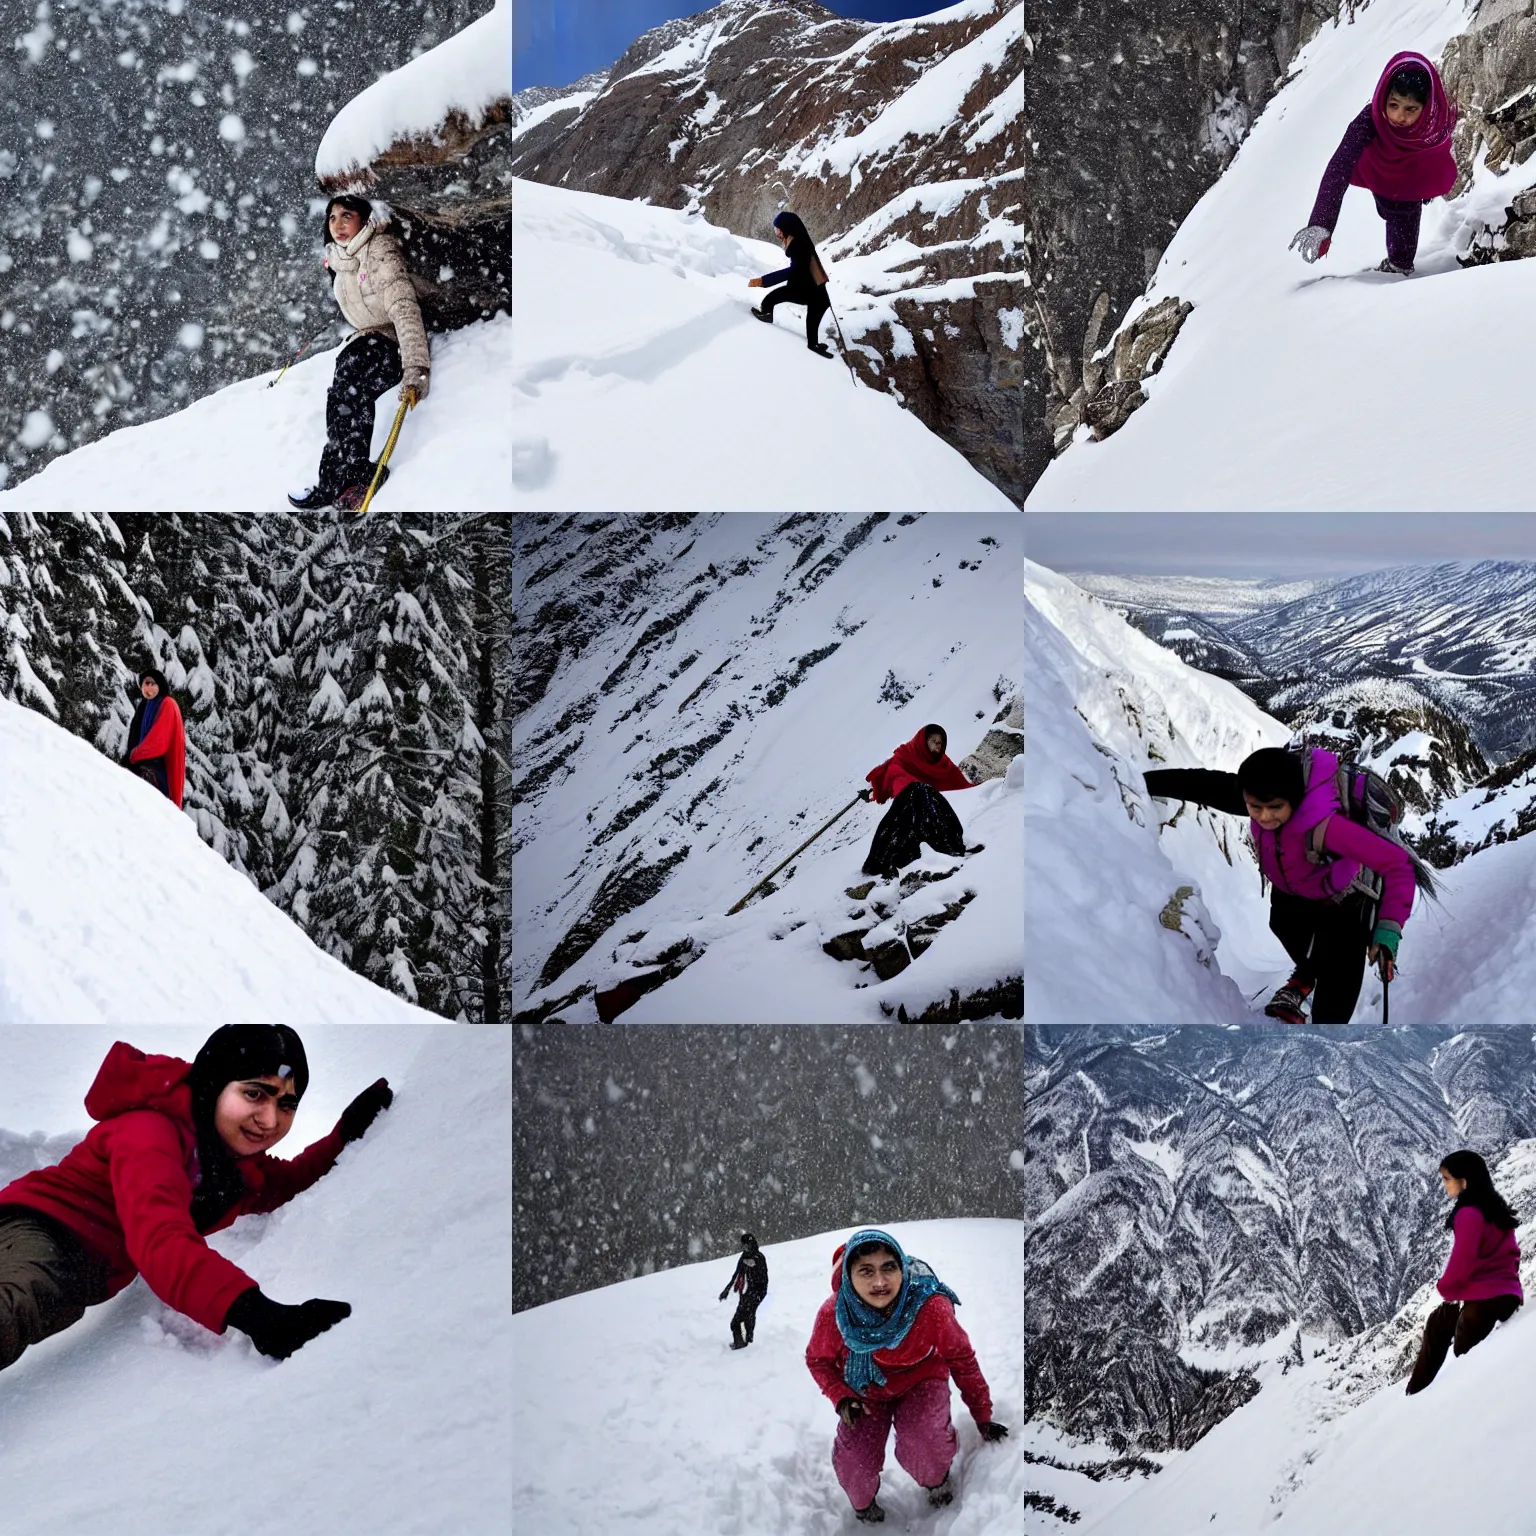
[1413, 164]
[912, 763]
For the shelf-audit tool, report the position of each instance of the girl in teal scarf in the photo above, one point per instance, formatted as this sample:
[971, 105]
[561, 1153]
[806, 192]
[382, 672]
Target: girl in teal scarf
[866, 1327]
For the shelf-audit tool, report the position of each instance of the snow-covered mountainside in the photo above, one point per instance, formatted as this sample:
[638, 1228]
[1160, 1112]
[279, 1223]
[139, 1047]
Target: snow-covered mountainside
[1280, 387]
[137, 1421]
[1501, 807]
[698, 1438]
[899, 143]
[641, 382]
[1217, 598]
[1331, 1443]
[1183, 902]
[698, 696]
[113, 910]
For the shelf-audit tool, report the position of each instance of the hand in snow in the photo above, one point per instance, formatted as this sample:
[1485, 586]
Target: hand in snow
[1312, 242]
[756, 282]
[364, 1109]
[993, 1431]
[277, 1331]
[850, 1410]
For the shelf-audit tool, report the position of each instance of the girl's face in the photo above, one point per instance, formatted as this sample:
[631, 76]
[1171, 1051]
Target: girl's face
[876, 1277]
[1268, 813]
[1402, 111]
[149, 688]
[935, 744]
[255, 1114]
[344, 223]
[1453, 1185]
[783, 237]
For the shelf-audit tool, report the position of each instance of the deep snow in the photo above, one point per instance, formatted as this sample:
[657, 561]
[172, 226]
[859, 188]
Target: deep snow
[243, 448]
[695, 1437]
[1284, 389]
[139, 1422]
[641, 382]
[112, 909]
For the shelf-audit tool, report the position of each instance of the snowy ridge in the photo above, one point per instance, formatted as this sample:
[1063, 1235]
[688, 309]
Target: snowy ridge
[666, 1337]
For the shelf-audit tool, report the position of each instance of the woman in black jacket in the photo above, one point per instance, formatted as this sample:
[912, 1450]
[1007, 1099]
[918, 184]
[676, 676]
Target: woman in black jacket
[805, 277]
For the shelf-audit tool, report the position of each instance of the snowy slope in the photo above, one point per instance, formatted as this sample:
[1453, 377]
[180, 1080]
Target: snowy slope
[711, 727]
[697, 1438]
[242, 448]
[1278, 392]
[642, 383]
[113, 910]
[139, 1422]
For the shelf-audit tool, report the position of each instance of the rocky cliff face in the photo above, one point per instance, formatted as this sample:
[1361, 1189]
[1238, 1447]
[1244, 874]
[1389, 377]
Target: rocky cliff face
[901, 147]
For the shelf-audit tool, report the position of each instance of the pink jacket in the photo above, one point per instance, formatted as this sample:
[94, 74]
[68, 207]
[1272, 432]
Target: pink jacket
[1286, 859]
[1484, 1261]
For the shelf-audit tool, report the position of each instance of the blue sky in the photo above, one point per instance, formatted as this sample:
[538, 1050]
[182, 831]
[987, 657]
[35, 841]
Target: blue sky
[557, 41]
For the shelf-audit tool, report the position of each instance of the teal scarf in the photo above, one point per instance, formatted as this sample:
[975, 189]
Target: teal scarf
[864, 1328]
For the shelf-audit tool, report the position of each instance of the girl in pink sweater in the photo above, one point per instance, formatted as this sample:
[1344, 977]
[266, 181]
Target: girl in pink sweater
[1481, 1283]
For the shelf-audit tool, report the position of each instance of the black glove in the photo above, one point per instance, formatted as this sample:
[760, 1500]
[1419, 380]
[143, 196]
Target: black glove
[360, 1113]
[850, 1410]
[726, 1292]
[864, 794]
[277, 1330]
[993, 1431]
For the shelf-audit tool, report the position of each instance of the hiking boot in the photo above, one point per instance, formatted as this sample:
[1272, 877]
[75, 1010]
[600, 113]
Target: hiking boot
[1286, 1004]
[818, 349]
[871, 1514]
[739, 1344]
[760, 313]
[315, 496]
[352, 498]
[1388, 265]
[943, 1494]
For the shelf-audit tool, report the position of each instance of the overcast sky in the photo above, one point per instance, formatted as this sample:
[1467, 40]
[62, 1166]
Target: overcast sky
[1271, 544]
[557, 41]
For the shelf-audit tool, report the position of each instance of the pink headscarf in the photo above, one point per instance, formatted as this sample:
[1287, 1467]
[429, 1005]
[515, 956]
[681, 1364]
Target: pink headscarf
[1409, 164]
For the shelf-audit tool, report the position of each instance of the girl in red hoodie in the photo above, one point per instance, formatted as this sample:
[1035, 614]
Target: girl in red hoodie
[883, 1349]
[179, 1151]
[912, 777]
[157, 739]
[1481, 1283]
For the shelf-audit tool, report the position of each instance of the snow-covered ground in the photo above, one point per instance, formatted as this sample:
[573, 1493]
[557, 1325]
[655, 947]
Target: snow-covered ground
[243, 448]
[641, 382]
[1327, 386]
[695, 1437]
[112, 909]
[139, 1422]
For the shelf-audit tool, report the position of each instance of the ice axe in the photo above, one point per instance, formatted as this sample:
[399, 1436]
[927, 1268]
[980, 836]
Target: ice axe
[801, 849]
[843, 344]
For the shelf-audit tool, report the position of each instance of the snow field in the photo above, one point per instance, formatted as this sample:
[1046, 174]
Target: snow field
[244, 447]
[137, 1421]
[697, 1437]
[642, 383]
[113, 910]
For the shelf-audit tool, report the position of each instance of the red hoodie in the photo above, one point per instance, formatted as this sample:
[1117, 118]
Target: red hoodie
[166, 738]
[912, 763]
[126, 1190]
[935, 1346]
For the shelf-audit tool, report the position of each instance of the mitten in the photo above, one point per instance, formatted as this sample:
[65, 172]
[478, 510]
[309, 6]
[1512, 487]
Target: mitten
[361, 1112]
[993, 1431]
[277, 1330]
[418, 380]
[1312, 242]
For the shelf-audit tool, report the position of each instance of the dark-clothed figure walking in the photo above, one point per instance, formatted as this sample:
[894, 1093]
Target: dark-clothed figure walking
[805, 279]
[750, 1282]
[157, 739]
[1481, 1283]
[912, 778]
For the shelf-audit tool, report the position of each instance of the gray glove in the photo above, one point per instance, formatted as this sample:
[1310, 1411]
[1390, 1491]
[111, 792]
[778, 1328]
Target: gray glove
[1312, 242]
[417, 379]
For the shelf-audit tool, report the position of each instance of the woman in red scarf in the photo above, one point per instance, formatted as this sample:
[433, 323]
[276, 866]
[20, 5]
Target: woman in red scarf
[912, 777]
[1399, 147]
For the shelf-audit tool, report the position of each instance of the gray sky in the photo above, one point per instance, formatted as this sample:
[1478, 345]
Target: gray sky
[1271, 544]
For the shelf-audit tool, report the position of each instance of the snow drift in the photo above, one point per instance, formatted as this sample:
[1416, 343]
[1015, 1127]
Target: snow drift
[137, 1421]
[113, 910]
[1285, 387]
[641, 382]
[698, 1438]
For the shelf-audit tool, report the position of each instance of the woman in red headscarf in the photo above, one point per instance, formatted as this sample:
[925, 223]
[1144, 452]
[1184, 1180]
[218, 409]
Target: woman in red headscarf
[1399, 147]
[912, 777]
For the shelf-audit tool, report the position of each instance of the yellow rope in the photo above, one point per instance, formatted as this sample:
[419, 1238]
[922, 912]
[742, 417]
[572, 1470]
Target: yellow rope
[407, 400]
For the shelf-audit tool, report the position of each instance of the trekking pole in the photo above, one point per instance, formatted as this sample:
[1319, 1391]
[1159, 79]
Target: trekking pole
[406, 402]
[801, 849]
[843, 344]
[300, 353]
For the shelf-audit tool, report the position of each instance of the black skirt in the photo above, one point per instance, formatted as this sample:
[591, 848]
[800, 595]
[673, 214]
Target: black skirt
[919, 814]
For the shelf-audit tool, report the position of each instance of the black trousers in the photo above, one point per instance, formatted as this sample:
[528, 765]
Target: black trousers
[816, 305]
[367, 366]
[745, 1317]
[917, 815]
[1326, 941]
[47, 1280]
[1462, 1323]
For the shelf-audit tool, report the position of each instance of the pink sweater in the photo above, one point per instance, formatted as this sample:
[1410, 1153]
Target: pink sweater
[1484, 1261]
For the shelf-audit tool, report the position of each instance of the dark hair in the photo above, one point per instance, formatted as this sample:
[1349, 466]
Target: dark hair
[1273, 773]
[748, 1240]
[358, 205]
[1411, 82]
[874, 1245]
[1479, 1192]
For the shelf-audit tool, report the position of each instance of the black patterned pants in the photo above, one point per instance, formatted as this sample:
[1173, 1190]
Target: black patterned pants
[919, 814]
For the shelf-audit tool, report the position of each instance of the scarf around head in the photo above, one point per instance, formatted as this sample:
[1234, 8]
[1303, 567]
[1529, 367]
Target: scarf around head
[864, 1328]
[1409, 164]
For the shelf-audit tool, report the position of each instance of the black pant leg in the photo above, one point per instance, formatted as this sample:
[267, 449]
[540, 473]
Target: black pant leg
[1338, 957]
[1293, 920]
[1439, 1330]
[747, 1312]
[1479, 1318]
[364, 370]
[814, 312]
[46, 1281]
[775, 296]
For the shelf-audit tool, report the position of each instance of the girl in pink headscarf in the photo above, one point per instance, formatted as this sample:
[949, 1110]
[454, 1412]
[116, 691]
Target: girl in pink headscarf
[1399, 148]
